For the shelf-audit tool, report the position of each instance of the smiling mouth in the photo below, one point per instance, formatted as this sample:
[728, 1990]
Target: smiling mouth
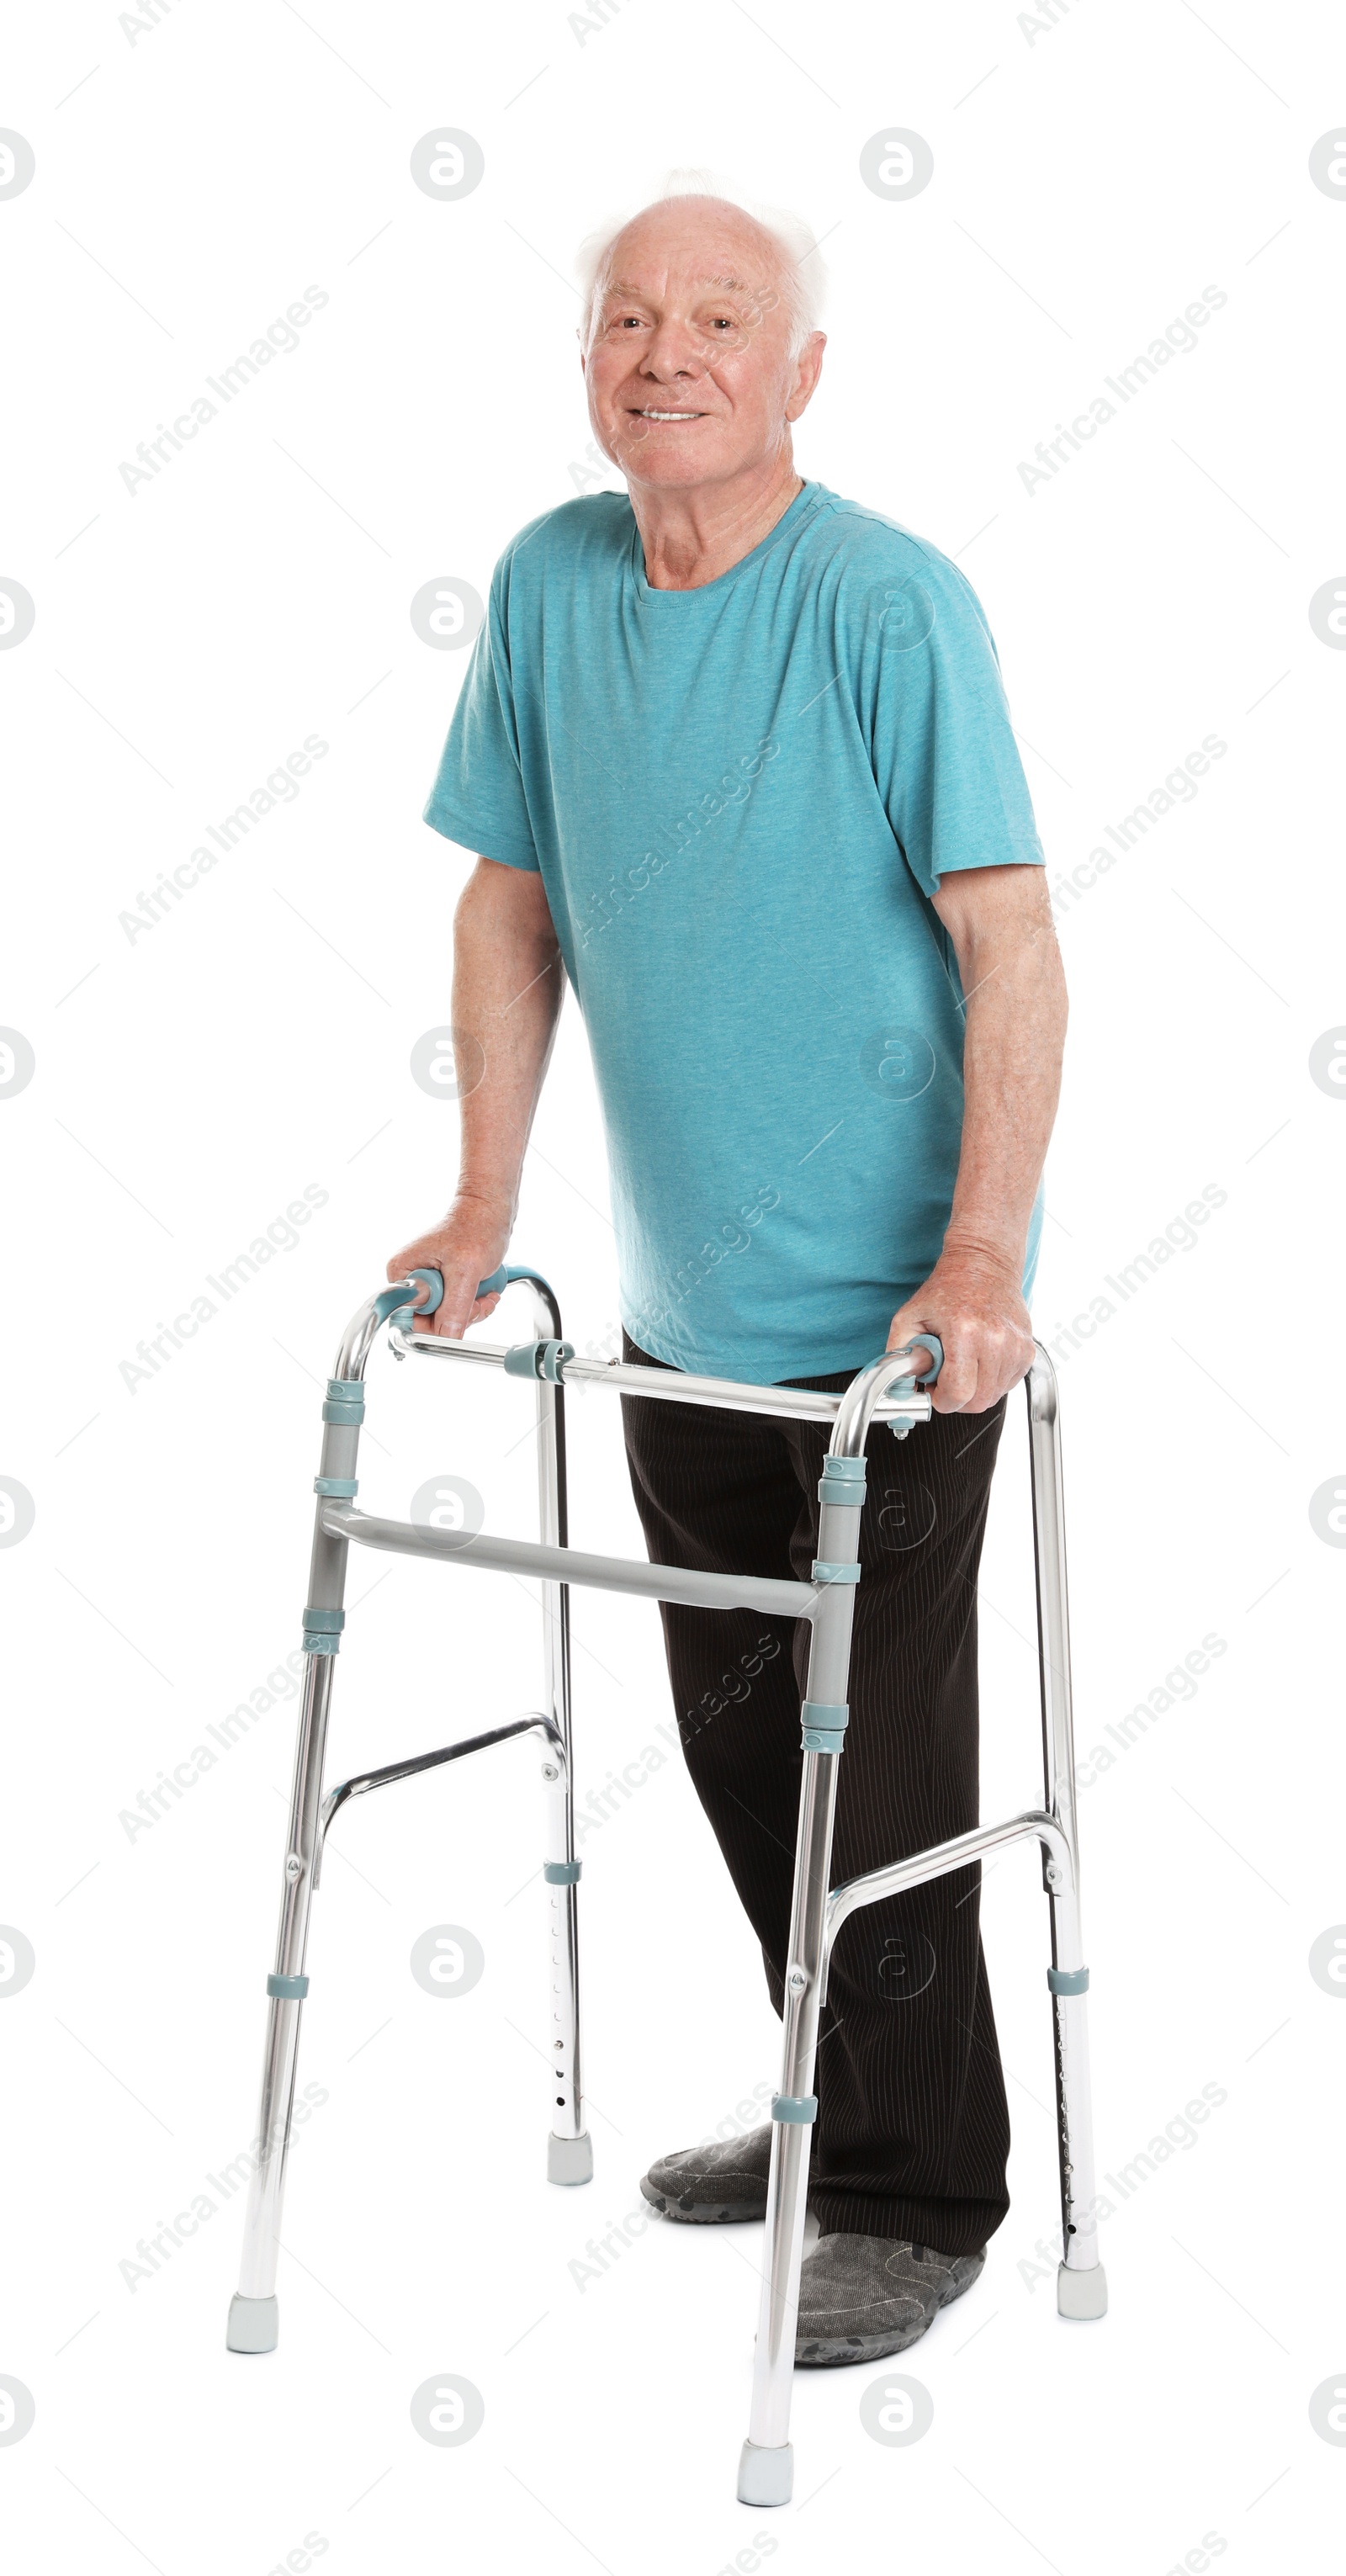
[648, 413]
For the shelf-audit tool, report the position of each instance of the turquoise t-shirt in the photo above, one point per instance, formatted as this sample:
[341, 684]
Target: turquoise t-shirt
[741, 799]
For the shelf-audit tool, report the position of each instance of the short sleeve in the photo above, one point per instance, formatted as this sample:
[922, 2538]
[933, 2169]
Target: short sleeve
[945, 759]
[478, 798]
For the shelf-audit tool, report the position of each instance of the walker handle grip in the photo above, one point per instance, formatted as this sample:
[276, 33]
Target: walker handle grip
[434, 1281]
[922, 1341]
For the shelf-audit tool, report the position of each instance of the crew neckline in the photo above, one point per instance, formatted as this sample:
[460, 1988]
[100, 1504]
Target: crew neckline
[646, 590]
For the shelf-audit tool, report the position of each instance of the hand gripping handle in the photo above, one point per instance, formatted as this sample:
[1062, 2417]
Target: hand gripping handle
[433, 1283]
[900, 1386]
[921, 1341]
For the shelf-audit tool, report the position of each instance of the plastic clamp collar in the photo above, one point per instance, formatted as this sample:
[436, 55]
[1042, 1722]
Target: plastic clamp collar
[842, 1481]
[561, 1873]
[1068, 1981]
[345, 1400]
[538, 1359]
[322, 1631]
[797, 2108]
[825, 1572]
[344, 1486]
[289, 1990]
[825, 1723]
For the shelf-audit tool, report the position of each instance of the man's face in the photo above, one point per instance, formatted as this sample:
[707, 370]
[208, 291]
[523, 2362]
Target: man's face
[688, 371]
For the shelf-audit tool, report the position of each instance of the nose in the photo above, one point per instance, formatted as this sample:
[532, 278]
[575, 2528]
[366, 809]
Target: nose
[675, 352]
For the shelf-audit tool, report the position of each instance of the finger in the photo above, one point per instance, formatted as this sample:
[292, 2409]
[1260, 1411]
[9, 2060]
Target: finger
[421, 1321]
[955, 1387]
[999, 1366]
[1002, 1368]
[906, 1329]
[461, 1308]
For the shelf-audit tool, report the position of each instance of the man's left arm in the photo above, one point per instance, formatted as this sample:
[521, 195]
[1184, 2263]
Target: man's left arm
[1000, 922]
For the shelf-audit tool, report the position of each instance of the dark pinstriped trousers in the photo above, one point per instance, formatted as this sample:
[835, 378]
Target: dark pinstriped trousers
[912, 2132]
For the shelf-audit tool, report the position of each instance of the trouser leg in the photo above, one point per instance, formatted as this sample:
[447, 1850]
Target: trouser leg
[912, 2133]
[718, 1491]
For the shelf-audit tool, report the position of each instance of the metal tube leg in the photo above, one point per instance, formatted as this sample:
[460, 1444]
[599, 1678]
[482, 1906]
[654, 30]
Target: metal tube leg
[254, 2322]
[766, 2467]
[1081, 2289]
[570, 2155]
[253, 2316]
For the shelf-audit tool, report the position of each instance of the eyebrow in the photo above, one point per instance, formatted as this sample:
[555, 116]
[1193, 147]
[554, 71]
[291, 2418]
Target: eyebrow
[626, 286]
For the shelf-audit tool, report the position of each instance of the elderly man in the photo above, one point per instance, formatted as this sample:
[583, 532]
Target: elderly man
[736, 757]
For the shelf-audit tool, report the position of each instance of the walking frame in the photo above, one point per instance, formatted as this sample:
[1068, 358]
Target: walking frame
[878, 1394]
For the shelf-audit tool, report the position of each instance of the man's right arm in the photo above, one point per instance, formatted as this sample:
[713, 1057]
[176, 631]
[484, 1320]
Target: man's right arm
[507, 991]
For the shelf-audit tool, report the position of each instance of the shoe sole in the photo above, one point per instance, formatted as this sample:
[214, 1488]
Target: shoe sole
[702, 2213]
[831, 2352]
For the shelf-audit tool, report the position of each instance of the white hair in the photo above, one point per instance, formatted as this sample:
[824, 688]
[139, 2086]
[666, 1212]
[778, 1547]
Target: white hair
[803, 276]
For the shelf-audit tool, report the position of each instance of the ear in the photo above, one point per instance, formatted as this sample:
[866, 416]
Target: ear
[808, 368]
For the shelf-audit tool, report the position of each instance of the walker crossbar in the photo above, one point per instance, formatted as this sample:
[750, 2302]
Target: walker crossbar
[880, 1393]
[568, 1565]
[363, 1781]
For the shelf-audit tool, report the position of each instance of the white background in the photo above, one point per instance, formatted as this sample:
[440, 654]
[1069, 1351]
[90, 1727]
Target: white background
[1091, 177]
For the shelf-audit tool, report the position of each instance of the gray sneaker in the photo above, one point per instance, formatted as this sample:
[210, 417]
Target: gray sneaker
[864, 2297]
[708, 2185]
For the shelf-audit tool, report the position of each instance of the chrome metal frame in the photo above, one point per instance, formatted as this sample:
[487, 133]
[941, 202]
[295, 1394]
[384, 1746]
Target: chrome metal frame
[818, 1911]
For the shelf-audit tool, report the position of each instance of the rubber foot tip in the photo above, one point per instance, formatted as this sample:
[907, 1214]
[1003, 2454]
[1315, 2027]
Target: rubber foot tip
[254, 2324]
[570, 2159]
[766, 2476]
[1081, 2294]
